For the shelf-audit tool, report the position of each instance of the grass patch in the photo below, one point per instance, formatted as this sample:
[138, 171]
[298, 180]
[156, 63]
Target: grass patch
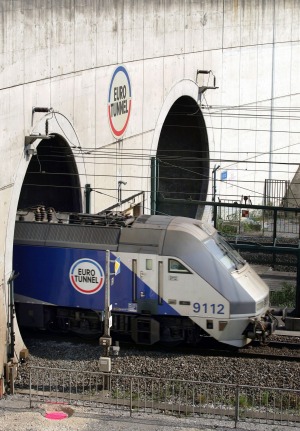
[286, 297]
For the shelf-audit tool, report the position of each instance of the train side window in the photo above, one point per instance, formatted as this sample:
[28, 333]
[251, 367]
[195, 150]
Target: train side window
[149, 264]
[175, 266]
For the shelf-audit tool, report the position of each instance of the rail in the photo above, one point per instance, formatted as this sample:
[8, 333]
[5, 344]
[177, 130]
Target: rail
[134, 394]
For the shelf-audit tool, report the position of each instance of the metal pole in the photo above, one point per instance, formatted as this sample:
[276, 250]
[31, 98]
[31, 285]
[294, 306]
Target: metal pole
[131, 407]
[275, 225]
[272, 94]
[214, 194]
[153, 184]
[237, 406]
[214, 182]
[88, 198]
[214, 186]
[105, 340]
[297, 309]
[12, 313]
[107, 300]
[274, 236]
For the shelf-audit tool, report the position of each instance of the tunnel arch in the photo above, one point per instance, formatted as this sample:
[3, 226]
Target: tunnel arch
[182, 152]
[52, 178]
[73, 174]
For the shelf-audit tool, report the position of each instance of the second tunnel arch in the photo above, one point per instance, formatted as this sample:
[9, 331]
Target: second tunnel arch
[182, 159]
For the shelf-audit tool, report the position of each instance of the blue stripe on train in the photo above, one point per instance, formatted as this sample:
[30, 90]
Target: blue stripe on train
[44, 275]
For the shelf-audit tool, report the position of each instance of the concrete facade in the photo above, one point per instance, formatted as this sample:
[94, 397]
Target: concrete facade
[62, 54]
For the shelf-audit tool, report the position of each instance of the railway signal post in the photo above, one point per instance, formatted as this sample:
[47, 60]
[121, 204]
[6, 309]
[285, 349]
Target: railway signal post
[105, 340]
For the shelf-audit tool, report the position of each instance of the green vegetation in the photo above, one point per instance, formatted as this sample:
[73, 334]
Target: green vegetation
[251, 227]
[229, 229]
[243, 401]
[285, 297]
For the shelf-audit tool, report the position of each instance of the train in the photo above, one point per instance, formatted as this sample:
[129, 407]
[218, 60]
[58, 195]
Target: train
[169, 279]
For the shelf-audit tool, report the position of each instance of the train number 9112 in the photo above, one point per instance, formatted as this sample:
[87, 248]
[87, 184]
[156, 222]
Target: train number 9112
[208, 308]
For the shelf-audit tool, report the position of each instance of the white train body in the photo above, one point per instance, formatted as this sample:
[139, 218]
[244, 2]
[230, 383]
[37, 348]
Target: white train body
[179, 279]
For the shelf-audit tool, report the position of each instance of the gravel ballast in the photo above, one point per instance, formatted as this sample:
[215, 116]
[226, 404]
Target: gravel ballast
[161, 364]
[77, 356]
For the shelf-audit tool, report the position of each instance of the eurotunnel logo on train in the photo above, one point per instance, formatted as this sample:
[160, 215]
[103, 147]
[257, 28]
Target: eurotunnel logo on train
[119, 101]
[87, 276]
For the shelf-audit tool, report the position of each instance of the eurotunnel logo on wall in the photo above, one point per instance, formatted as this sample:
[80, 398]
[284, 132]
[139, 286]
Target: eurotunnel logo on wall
[86, 276]
[119, 101]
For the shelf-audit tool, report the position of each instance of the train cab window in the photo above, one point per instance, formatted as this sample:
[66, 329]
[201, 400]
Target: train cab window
[221, 250]
[149, 264]
[175, 266]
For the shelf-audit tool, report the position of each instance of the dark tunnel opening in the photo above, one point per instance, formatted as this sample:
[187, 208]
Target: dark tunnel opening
[183, 159]
[52, 178]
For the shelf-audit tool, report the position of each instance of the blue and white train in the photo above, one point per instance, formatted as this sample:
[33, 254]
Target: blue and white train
[178, 280]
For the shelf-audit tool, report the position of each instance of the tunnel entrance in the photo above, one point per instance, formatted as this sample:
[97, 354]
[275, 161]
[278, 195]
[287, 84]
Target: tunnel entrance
[52, 178]
[51, 181]
[183, 159]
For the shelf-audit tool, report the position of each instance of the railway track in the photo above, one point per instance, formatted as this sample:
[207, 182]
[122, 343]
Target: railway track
[275, 350]
[280, 347]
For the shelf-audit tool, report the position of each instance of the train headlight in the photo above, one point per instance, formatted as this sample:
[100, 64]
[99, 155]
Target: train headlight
[262, 304]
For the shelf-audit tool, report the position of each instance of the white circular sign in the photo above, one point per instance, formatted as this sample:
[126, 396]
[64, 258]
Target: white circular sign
[86, 276]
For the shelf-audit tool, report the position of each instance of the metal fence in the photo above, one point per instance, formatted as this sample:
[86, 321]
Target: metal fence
[258, 223]
[169, 396]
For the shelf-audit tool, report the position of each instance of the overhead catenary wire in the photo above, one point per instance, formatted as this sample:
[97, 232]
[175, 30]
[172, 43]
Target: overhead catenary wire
[107, 154]
[242, 190]
[236, 162]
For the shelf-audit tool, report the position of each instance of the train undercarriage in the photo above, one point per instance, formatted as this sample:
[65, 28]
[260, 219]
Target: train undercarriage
[142, 329]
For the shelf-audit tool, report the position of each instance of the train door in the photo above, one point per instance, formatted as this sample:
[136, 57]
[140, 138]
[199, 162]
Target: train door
[179, 286]
[145, 283]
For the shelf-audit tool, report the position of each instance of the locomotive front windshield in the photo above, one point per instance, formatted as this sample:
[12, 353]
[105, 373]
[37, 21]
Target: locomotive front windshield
[223, 251]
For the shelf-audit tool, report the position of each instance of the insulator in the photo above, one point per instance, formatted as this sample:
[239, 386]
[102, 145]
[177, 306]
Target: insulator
[43, 213]
[49, 214]
[47, 127]
[40, 109]
[21, 217]
[37, 214]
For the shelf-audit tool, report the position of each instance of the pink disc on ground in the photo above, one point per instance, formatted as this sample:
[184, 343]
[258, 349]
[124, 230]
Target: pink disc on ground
[56, 416]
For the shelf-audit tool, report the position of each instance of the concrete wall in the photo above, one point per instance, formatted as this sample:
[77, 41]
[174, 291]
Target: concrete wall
[62, 54]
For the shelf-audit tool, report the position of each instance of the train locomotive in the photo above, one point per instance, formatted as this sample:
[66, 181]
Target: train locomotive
[178, 280]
